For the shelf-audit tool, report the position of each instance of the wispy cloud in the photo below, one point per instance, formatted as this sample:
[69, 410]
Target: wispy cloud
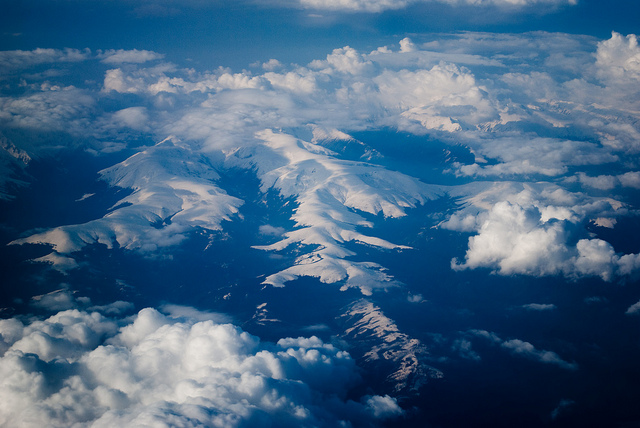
[376, 6]
[525, 349]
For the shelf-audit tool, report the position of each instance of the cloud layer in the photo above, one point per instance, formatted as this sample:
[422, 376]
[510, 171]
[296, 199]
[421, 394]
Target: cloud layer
[538, 132]
[382, 5]
[79, 368]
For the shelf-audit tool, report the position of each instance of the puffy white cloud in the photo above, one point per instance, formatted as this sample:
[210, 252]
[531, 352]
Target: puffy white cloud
[595, 257]
[513, 240]
[602, 182]
[608, 182]
[157, 80]
[630, 179]
[522, 238]
[82, 369]
[619, 57]
[343, 60]
[271, 65]
[61, 109]
[133, 117]
[298, 83]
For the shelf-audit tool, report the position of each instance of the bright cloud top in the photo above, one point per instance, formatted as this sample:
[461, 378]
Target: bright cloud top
[80, 368]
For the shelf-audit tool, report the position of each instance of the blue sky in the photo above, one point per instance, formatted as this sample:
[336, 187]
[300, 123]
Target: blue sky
[237, 33]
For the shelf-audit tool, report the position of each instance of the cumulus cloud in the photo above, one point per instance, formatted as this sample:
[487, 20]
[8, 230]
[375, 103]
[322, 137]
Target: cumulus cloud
[619, 57]
[513, 239]
[629, 179]
[527, 235]
[83, 369]
[52, 109]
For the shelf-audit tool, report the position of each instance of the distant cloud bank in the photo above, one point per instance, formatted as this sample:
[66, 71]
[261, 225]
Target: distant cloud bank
[382, 5]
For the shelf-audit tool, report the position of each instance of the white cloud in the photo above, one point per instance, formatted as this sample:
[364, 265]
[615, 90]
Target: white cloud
[536, 156]
[296, 82]
[619, 57]
[65, 109]
[596, 257]
[157, 80]
[406, 45]
[12, 61]
[602, 182]
[54, 301]
[634, 309]
[513, 240]
[135, 56]
[608, 182]
[355, 5]
[630, 179]
[132, 117]
[525, 349]
[415, 298]
[539, 306]
[271, 65]
[79, 369]
[343, 60]
[529, 233]
[269, 230]
[376, 6]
